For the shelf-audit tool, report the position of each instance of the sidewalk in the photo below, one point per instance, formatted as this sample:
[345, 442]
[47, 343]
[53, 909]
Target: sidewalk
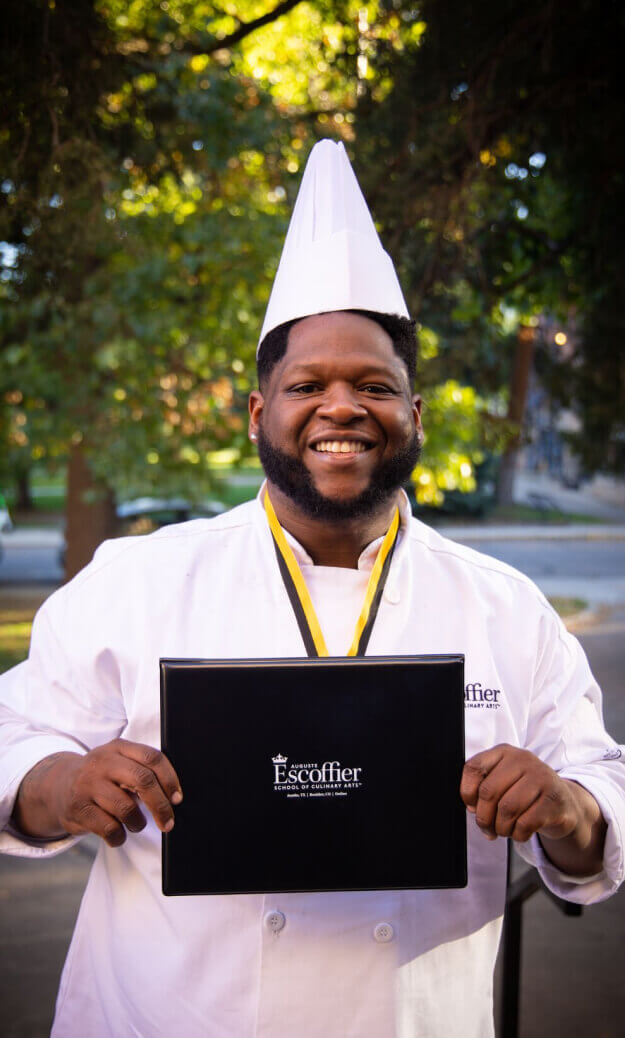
[44, 537]
[533, 532]
[34, 537]
[531, 486]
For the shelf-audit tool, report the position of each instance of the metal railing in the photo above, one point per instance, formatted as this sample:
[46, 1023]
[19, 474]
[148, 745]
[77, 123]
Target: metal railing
[518, 892]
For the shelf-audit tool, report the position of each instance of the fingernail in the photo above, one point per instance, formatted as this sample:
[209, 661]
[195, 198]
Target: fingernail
[176, 798]
[169, 826]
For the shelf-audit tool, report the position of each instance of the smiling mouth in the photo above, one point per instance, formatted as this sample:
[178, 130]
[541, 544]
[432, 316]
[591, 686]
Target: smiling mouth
[341, 447]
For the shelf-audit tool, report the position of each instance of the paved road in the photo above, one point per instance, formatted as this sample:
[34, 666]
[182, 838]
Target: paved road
[39, 903]
[31, 557]
[590, 569]
[572, 975]
[570, 558]
[554, 563]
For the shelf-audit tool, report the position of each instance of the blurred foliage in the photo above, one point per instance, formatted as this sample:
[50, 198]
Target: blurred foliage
[495, 165]
[451, 419]
[151, 153]
[143, 223]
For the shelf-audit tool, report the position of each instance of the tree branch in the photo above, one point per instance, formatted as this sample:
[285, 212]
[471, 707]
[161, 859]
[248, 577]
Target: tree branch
[244, 29]
[151, 59]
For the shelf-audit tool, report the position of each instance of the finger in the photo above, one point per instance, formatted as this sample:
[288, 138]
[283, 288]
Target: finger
[549, 815]
[121, 805]
[142, 781]
[514, 803]
[492, 789]
[495, 787]
[87, 817]
[475, 771]
[156, 761]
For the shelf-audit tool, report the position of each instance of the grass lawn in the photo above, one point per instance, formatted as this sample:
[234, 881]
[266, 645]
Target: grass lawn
[568, 606]
[17, 609]
[527, 514]
[507, 515]
[15, 625]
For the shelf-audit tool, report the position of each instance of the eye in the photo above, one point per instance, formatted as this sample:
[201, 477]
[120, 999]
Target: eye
[304, 388]
[376, 389]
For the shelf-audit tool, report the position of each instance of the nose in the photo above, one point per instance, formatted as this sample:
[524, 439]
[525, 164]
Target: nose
[340, 404]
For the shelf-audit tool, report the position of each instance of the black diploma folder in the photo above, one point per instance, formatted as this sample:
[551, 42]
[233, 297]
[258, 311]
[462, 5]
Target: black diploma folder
[315, 774]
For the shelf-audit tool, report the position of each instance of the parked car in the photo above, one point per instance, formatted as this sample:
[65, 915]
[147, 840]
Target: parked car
[146, 514]
[6, 523]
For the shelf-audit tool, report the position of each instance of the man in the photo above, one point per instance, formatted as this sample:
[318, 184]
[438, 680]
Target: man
[338, 430]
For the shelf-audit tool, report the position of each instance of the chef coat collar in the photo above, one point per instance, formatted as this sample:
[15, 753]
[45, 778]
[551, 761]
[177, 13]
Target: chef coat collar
[368, 555]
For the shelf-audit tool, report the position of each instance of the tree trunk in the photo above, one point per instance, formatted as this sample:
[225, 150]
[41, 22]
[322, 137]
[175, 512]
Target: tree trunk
[23, 498]
[90, 513]
[519, 382]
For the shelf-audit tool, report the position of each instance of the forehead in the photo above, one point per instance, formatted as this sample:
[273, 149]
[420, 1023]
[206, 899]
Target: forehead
[341, 339]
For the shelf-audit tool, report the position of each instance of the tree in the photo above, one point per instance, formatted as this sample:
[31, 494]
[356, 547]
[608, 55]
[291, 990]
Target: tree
[151, 153]
[501, 138]
[130, 157]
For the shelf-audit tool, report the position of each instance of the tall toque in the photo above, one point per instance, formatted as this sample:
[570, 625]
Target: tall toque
[332, 257]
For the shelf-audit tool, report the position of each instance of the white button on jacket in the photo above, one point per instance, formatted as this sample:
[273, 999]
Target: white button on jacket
[275, 921]
[389, 964]
[384, 933]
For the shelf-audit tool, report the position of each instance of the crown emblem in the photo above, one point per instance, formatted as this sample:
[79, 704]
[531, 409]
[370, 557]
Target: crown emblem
[279, 759]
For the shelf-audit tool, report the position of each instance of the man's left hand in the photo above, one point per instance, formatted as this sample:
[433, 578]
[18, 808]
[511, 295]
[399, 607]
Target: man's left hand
[514, 794]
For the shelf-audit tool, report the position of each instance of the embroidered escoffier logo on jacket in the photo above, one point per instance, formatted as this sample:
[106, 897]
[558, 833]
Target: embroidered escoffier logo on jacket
[477, 697]
[614, 754]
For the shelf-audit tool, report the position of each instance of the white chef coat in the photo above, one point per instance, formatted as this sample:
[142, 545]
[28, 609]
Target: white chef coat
[311, 965]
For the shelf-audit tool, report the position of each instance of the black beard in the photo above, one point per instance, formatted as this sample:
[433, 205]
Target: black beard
[292, 477]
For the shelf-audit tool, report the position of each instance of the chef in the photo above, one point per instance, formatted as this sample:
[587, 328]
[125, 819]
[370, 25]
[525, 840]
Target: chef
[338, 428]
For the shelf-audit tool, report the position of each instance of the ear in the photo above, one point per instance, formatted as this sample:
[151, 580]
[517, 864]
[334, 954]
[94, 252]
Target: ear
[255, 405]
[416, 411]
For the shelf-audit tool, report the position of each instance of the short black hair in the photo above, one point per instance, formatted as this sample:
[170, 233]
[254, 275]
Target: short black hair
[401, 330]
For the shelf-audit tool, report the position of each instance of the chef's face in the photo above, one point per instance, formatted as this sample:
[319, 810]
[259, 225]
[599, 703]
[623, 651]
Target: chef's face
[338, 429]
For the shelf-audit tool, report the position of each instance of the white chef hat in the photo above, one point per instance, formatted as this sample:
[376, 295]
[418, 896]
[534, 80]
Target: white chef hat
[332, 257]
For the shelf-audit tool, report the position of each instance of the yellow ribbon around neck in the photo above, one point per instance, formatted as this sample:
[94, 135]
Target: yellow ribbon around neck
[300, 598]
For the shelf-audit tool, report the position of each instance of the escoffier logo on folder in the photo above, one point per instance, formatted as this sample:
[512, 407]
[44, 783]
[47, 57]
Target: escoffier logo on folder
[304, 780]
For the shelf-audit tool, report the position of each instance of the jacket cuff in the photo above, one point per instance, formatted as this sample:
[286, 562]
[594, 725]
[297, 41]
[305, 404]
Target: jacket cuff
[17, 762]
[584, 890]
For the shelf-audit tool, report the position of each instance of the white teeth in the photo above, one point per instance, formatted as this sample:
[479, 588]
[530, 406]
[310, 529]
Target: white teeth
[340, 446]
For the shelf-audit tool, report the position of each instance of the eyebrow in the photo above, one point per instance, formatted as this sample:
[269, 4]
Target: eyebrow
[313, 368]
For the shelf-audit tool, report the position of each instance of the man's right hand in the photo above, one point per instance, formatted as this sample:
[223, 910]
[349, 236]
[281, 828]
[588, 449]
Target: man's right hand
[99, 793]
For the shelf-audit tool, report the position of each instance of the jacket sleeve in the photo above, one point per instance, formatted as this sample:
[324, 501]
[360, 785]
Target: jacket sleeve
[565, 729]
[47, 705]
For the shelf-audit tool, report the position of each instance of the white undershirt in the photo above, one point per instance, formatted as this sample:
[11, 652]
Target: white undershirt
[337, 593]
